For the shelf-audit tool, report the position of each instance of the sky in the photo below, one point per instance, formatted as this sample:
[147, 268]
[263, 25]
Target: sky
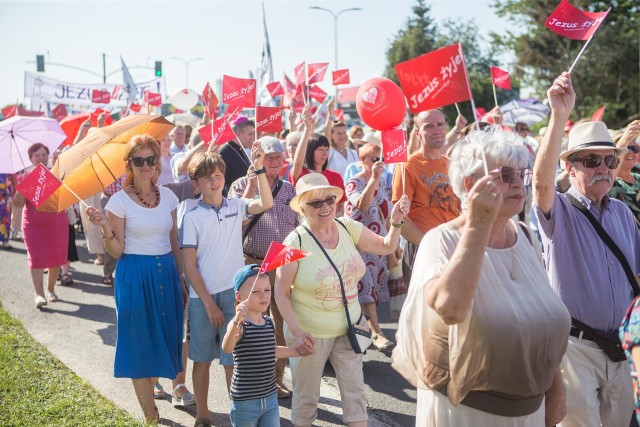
[227, 35]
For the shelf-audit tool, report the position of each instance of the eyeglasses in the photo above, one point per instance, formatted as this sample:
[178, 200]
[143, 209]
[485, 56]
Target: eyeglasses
[139, 161]
[594, 160]
[507, 174]
[317, 204]
[634, 149]
[375, 159]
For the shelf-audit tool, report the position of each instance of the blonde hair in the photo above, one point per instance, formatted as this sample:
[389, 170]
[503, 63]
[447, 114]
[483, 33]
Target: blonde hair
[367, 149]
[137, 143]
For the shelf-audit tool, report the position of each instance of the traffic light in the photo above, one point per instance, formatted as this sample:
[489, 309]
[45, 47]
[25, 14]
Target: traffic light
[158, 68]
[40, 63]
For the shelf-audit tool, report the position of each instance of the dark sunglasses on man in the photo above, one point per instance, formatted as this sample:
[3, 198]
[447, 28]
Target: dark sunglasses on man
[594, 160]
[507, 174]
[317, 204]
[139, 161]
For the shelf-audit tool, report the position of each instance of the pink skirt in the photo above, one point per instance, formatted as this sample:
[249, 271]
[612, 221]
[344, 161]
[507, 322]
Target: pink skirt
[46, 236]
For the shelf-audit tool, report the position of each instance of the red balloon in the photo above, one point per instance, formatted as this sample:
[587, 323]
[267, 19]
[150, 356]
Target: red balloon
[381, 104]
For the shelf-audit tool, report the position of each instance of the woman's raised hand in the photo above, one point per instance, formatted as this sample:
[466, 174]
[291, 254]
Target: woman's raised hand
[96, 216]
[484, 200]
[400, 209]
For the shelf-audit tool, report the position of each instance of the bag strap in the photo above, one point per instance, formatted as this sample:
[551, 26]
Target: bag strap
[257, 217]
[344, 295]
[609, 242]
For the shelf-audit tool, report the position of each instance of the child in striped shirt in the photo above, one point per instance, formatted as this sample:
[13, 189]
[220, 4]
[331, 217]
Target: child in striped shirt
[251, 338]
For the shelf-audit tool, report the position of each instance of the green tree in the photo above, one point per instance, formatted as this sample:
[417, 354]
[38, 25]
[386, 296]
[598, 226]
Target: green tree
[607, 74]
[423, 35]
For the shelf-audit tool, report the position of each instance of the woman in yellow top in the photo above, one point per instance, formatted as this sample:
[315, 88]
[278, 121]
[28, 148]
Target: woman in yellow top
[309, 295]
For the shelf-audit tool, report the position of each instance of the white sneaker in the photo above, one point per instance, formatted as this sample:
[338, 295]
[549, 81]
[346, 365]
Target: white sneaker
[40, 301]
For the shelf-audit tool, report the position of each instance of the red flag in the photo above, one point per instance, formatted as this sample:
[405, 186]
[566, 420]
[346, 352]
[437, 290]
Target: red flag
[316, 93]
[222, 131]
[316, 72]
[434, 79]
[153, 98]
[341, 77]
[275, 89]
[210, 101]
[339, 113]
[100, 96]
[279, 255]
[573, 23]
[14, 110]
[268, 119]
[94, 117]
[299, 74]
[239, 92]
[60, 112]
[597, 116]
[394, 146]
[289, 86]
[39, 185]
[480, 112]
[135, 107]
[500, 78]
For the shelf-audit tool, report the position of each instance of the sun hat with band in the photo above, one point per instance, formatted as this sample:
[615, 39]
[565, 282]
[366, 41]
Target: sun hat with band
[590, 136]
[309, 182]
[368, 138]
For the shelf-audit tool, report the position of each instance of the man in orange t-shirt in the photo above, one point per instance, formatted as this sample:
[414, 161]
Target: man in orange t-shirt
[426, 183]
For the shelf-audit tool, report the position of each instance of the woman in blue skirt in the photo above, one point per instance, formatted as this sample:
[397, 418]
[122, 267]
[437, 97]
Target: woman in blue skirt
[140, 231]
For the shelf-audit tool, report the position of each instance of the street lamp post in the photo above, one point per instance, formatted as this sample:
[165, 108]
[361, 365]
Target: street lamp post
[186, 68]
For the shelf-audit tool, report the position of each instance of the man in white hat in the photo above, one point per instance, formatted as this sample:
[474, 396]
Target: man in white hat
[582, 269]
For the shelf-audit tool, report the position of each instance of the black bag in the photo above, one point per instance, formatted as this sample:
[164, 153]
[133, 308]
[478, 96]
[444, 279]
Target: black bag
[611, 345]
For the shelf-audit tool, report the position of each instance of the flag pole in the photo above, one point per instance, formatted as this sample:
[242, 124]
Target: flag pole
[403, 179]
[457, 109]
[587, 43]
[495, 97]
[77, 197]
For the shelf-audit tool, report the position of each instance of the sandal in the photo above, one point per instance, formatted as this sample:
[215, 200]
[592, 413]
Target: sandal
[203, 422]
[158, 391]
[52, 297]
[40, 301]
[66, 280]
[382, 343]
[107, 280]
[187, 398]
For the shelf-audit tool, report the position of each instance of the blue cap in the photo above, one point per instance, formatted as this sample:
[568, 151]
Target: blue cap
[243, 274]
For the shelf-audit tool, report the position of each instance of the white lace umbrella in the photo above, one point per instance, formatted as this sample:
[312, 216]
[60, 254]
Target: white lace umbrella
[18, 133]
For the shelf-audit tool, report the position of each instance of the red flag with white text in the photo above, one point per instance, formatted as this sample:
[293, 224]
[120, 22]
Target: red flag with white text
[221, 129]
[394, 146]
[500, 78]
[135, 107]
[339, 114]
[268, 119]
[435, 79]
[573, 23]
[210, 101]
[316, 93]
[100, 96]
[39, 185]
[275, 89]
[316, 72]
[299, 74]
[279, 255]
[341, 77]
[597, 116]
[239, 92]
[60, 112]
[153, 98]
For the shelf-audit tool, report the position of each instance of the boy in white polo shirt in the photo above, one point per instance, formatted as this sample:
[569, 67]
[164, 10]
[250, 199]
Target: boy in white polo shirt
[211, 242]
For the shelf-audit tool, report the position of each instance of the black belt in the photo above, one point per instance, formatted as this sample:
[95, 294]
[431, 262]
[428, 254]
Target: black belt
[586, 335]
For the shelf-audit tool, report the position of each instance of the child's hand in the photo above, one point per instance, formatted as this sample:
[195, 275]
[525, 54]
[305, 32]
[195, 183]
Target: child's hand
[241, 311]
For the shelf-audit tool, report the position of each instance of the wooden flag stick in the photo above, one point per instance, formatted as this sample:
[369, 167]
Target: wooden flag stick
[495, 97]
[458, 109]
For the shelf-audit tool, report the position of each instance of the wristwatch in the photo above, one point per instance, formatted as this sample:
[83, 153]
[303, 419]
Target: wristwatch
[261, 171]
[398, 225]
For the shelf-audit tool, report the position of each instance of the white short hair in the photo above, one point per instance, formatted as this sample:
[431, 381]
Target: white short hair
[500, 148]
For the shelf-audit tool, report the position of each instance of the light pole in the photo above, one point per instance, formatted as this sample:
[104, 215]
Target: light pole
[335, 26]
[186, 68]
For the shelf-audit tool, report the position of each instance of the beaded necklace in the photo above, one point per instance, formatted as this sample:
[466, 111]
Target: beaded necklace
[149, 205]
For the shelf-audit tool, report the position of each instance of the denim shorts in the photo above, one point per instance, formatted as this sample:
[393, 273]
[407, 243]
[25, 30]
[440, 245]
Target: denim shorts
[202, 342]
[255, 412]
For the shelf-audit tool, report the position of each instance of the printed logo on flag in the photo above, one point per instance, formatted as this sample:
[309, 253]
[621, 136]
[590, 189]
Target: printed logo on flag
[221, 129]
[394, 146]
[210, 101]
[500, 78]
[316, 72]
[268, 119]
[39, 185]
[100, 96]
[573, 23]
[299, 74]
[60, 112]
[341, 77]
[316, 93]
[434, 79]
[239, 92]
[152, 98]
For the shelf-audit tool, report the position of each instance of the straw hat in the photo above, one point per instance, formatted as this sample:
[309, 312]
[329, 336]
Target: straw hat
[310, 182]
[590, 136]
[368, 138]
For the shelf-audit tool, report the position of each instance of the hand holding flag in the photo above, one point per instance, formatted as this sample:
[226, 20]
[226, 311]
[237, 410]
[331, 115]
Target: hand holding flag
[279, 255]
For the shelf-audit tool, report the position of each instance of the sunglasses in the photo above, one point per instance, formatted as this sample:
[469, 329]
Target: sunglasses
[317, 204]
[375, 159]
[139, 161]
[507, 174]
[594, 160]
[634, 149]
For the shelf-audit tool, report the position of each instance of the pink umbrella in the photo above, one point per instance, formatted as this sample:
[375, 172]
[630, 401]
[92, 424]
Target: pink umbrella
[19, 133]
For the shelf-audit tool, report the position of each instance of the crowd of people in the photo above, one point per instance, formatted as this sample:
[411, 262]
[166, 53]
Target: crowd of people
[519, 257]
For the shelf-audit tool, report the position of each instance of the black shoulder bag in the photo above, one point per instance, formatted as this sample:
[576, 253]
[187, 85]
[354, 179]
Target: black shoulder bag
[609, 343]
[358, 333]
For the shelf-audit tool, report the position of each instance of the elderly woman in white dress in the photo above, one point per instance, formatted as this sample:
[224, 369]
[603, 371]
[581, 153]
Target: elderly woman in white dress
[482, 333]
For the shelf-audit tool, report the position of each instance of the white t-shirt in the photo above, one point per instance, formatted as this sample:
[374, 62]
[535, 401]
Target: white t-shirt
[338, 163]
[146, 230]
[217, 237]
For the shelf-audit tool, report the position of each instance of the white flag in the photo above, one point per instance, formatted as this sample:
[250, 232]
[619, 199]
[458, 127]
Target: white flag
[129, 85]
[266, 67]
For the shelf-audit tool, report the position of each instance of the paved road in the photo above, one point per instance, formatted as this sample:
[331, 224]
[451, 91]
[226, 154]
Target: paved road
[80, 331]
